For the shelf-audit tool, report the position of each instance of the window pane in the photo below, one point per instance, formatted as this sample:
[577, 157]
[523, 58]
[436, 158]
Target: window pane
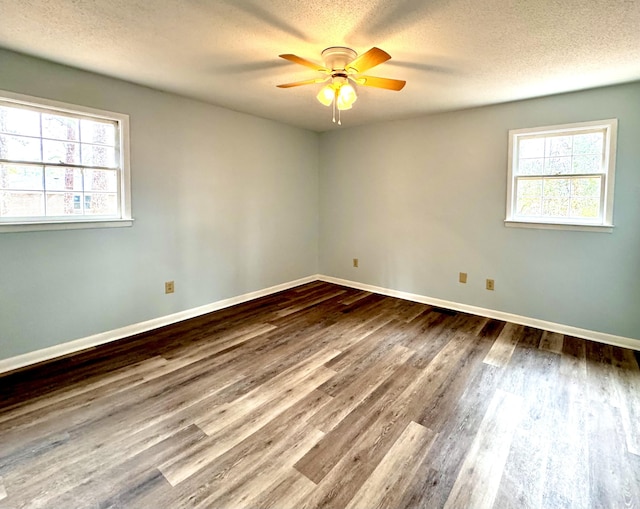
[531, 147]
[529, 206]
[557, 146]
[63, 179]
[60, 127]
[529, 187]
[556, 207]
[531, 166]
[587, 164]
[557, 188]
[61, 152]
[101, 180]
[587, 187]
[20, 177]
[103, 204]
[19, 121]
[19, 148]
[557, 165]
[529, 197]
[21, 204]
[98, 132]
[585, 207]
[98, 155]
[64, 204]
[591, 143]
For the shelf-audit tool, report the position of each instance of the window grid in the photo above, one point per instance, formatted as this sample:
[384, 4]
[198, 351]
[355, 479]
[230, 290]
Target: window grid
[562, 174]
[82, 198]
[549, 155]
[571, 197]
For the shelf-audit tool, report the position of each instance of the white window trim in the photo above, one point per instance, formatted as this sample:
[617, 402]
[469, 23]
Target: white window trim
[74, 223]
[611, 134]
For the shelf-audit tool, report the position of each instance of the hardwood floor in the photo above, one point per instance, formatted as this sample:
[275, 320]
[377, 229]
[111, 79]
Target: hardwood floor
[325, 396]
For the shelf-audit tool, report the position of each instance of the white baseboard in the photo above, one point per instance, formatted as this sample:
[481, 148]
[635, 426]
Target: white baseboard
[601, 337]
[77, 345]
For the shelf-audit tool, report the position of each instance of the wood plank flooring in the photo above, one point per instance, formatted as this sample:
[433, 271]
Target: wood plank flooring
[326, 397]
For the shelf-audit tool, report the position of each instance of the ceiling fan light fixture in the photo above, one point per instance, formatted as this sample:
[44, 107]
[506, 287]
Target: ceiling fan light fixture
[341, 91]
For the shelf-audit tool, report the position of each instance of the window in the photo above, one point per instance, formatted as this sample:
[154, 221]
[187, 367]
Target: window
[62, 166]
[562, 176]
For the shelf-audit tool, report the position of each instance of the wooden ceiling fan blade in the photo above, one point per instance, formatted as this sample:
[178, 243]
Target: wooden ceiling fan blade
[302, 61]
[366, 61]
[300, 83]
[386, 83]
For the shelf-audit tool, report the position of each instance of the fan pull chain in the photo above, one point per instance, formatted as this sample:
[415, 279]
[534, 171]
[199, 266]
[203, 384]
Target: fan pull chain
[339, 115]
[334, 112]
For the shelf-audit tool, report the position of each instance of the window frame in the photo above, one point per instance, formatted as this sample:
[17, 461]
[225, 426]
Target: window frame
[40, 223]
[604, 223]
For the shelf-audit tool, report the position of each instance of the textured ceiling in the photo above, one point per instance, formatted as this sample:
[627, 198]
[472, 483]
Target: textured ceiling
[453, 53]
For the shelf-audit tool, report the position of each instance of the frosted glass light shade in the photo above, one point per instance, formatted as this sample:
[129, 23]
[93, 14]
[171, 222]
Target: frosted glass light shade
[326, 95]
[342, 104]
[346, 97]
[348, 94]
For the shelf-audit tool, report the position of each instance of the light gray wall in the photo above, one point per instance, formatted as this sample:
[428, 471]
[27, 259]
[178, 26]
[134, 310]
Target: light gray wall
[227, 203]
[418, 201]
[224, 203]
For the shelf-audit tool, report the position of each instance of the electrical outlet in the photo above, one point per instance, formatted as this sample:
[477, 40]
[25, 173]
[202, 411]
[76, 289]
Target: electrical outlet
[463, 277]
[168, 287]
[490, 284]
[355, 262]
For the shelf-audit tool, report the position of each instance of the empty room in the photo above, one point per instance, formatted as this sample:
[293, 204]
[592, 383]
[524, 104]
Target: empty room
[319, 254]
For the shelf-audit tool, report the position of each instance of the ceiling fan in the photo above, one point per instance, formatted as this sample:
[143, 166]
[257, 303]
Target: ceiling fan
[342, 65]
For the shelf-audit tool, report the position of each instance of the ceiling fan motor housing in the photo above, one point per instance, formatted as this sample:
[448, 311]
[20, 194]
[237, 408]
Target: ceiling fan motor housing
[338, 57]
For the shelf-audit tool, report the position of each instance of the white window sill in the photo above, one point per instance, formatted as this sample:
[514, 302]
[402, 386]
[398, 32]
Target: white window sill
[559, 226]
[65, 225]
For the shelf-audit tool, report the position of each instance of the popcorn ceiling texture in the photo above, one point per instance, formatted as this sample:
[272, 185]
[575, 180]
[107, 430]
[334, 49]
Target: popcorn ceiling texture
[453, 53]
